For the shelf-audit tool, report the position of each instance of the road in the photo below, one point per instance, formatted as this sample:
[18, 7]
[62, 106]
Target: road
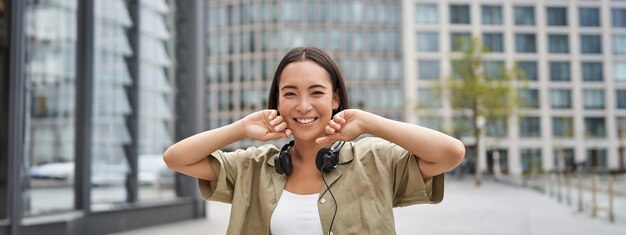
[493, 208]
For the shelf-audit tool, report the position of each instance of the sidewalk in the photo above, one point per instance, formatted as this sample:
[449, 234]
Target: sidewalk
[494, 208]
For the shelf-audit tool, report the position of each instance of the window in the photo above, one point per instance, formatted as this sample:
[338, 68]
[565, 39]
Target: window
[427, 98]
[594, 127]
[562, 127]
[462, 126]
[525, 43]
[493, 41]
[431, 122]
[427, 41]
[497, 128]
[596, 159]
[491, 15]
[494, 69]
[621, 127]
[589, 17]
[561, 98]
[531, 161]
[593, 98]
[49, 141]
[590, 44]
[459, 14]
[529, 127]
[459, 69]
[558, 43]
[620, 95]
[619, 44]
[529, 68]
[428, 69]
[557, 16]
[524, 15]
[426, 13]
[592, 71]
[156, 109]
[460, 41]
[619, 17]
[619, 71]
[559, 71]
[530, 98]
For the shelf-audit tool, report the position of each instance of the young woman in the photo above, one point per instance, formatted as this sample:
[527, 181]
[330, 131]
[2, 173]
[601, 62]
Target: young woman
[316, 184]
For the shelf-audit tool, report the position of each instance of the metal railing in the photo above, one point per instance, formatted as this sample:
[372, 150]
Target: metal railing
[588, 187]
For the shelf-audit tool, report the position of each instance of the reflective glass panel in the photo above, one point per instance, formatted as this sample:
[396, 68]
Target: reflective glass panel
[619, 17]
[529, 127]
[426, 13]
[557, 16]
[589, 17]
[524, 15]
[50, 103]
[156, 90]
[491, 15]
[111, 104]
[562, 126]
[595, 127]
[558, 43]
[592, 71]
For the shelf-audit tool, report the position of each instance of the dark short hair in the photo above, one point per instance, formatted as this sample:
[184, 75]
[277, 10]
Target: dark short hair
[321, 58]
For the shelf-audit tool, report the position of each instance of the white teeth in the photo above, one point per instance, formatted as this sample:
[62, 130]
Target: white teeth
[305, 121]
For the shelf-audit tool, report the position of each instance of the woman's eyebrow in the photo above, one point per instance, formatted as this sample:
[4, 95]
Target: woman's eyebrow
[310, 87]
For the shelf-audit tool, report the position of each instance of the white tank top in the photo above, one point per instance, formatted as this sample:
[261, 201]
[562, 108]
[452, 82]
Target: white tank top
[296, 214]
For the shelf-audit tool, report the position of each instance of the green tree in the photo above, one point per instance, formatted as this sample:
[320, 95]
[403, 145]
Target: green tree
[481, 91]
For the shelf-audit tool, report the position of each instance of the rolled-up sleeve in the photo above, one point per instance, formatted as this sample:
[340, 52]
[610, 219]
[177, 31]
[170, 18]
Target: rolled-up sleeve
[409, 187]
[224, 164]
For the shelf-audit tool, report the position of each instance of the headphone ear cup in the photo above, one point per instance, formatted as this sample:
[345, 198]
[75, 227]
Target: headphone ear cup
[282, 162]
[326, 161]
[285, 163]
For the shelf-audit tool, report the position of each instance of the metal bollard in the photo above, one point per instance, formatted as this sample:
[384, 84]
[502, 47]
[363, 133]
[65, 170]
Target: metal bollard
[610, 192]
[559, 188]
[568, 186]
[580, 192]
[594, 207]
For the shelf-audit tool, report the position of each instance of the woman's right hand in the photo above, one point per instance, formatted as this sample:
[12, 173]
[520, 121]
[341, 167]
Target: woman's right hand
[265, 125]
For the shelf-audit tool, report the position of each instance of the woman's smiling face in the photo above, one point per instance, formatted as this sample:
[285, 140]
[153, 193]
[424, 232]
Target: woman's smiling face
[306, 99]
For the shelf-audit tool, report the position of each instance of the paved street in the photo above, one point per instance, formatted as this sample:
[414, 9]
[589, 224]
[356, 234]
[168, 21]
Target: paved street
[494, 208]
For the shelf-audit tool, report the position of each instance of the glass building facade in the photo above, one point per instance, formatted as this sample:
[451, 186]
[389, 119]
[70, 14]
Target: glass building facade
[90, 92]
[247, 39]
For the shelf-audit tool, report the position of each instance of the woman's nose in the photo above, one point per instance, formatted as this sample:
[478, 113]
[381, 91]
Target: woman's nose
[304, 105]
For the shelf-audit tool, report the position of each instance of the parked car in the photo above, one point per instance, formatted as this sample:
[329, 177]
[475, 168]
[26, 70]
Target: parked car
[152, 171]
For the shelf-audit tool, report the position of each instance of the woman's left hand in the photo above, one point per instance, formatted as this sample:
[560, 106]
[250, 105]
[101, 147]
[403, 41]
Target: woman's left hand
[346, 125]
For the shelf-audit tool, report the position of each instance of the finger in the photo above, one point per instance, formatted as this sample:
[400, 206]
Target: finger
[334, 125]
[329, 130]
[274, 136]
[321, 140]
[339, 120]
[280, 127]
[272, 114]
[276, 120]
[287, 132]
[327, 139]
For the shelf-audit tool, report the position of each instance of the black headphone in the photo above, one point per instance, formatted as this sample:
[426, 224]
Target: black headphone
[326, 160]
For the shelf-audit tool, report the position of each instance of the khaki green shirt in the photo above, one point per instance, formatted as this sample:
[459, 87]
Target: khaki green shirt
[373, 177]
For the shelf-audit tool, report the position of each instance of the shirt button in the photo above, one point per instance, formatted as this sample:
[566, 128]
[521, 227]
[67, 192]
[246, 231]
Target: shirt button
[323, 200]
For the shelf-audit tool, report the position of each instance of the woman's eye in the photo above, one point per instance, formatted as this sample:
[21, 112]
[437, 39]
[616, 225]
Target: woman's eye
[318, 93]
[289, 94]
